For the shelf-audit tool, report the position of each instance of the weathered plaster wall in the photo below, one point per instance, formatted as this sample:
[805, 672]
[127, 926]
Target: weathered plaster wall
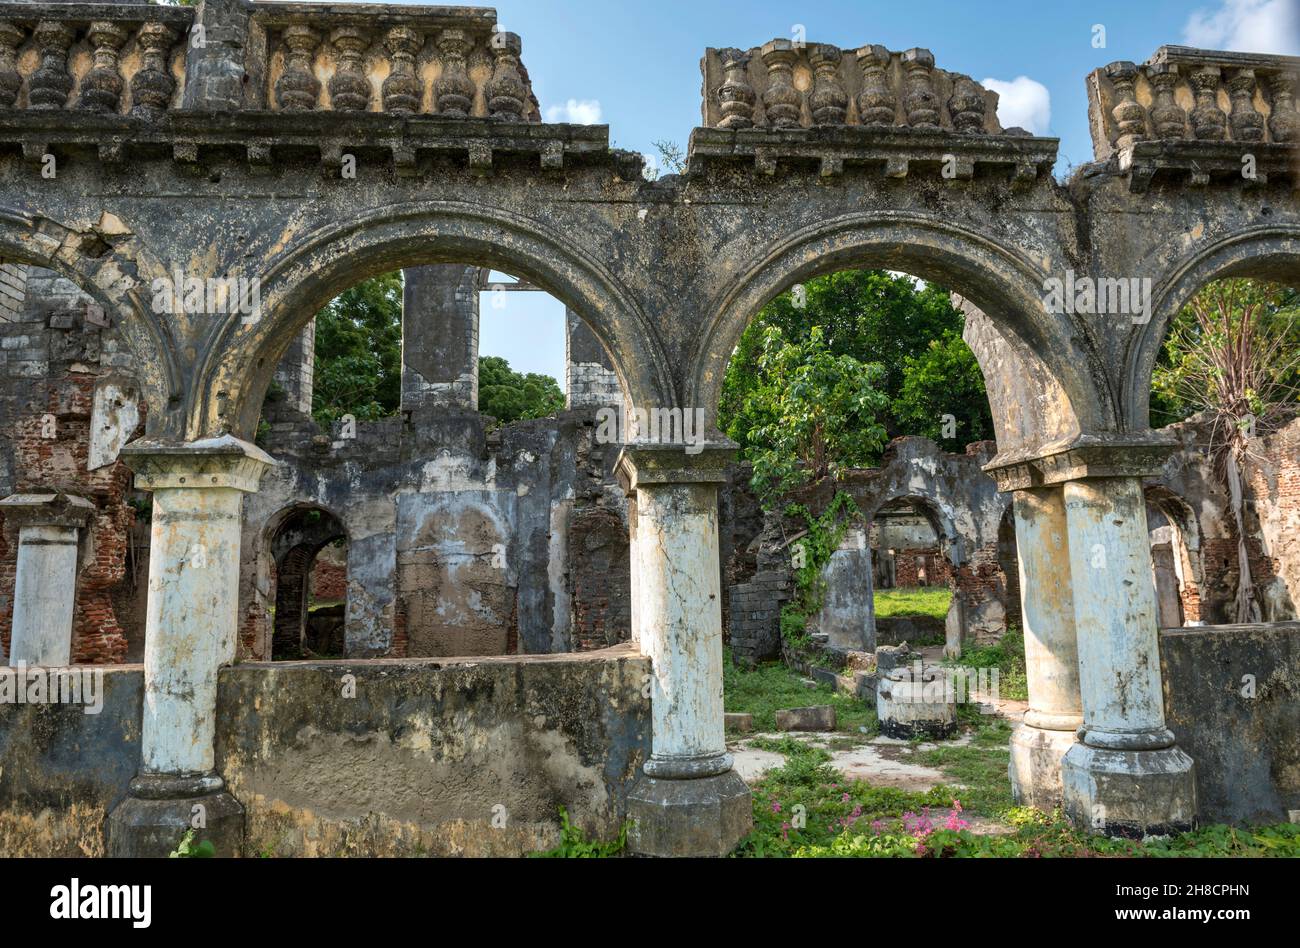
[471, 758]
[67, 404]
[466, 758]
[62, 770]
[1232, 696]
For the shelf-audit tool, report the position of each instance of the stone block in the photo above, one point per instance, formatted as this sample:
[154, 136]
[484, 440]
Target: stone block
[742, 723]
[819, 718]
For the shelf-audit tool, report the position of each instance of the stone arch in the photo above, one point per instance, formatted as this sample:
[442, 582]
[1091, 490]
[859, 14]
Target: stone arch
[1003, 282]
[294, 538]
[237, 367]
[110, 273]
[1266, 253]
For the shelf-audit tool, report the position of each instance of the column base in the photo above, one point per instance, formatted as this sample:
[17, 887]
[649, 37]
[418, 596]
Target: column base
[1131, 794]
[705, 817]
[158, 810]
[1035, 767]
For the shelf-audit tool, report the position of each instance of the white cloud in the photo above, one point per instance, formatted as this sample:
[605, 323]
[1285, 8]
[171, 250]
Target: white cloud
[1247, 26]
[1023, 103]
[575, 112]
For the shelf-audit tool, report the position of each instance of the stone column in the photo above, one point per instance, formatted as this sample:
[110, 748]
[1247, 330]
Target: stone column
[690, 802]
[1125, 777]
[190, 631]
[45, 581]
[1051, 650]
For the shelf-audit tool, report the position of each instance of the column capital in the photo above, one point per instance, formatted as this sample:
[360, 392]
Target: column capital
[1086, 457]
[646, 464]
[55, 509]
[225, 461]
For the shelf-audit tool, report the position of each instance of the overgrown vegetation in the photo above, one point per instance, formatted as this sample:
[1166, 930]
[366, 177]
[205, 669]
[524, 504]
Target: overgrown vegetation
[575, 845]
[903, 337]
[809, 556]
[1233, 354]
[807, 810]
[188, 848]
[770, 688]
[1008, 657]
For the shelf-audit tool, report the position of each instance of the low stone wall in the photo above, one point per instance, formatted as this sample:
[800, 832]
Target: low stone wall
[1232, 697]
[382, 758]
[62, 770]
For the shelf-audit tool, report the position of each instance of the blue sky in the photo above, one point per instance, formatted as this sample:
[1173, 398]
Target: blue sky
[635, 67]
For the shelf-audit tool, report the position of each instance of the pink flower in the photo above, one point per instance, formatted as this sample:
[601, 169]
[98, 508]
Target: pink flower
[776, 807]
[845, 798]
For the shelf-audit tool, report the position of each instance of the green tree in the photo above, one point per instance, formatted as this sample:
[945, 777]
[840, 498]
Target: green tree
[815, 412]
[874, 317]
[358, 359]
[511, 396]
[943, 396]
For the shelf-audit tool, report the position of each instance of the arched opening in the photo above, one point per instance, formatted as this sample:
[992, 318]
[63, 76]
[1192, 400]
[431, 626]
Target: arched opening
[309, 549]
[1222, 378]
[867, 386]
[915, 577]
[452, 415]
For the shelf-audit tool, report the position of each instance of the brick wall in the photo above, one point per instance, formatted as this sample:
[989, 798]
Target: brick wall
[51, 358]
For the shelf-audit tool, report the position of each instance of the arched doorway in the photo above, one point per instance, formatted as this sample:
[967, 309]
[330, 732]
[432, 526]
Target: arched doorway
[309, 613]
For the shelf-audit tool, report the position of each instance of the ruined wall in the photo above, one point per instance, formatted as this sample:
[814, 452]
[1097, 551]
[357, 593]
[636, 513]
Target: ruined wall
[67, 404]
[1232, 696]
[419, 761]
[963, 507]
[62, 770]
[1191, 495]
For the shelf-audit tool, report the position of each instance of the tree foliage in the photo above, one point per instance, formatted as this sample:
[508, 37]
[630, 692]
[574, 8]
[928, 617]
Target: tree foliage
[1233, 354]
[359, 352]
[812, 412]
[909, 333]
[511, 396]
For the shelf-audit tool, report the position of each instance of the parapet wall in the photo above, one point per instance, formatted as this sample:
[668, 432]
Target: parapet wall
[389, 758]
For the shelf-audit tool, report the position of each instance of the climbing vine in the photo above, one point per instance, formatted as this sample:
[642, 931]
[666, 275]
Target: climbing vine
[809, 556]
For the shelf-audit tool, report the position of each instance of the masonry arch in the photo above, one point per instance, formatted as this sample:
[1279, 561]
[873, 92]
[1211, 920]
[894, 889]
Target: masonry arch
[1002, 282]
[294, 539]
[109, 274]
[1265, 253]
[318, 266]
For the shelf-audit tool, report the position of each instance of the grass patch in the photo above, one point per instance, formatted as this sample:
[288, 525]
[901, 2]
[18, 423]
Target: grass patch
[1008, 657]
[980, 767]
[807, 810]
[932, 601]
[773, 687]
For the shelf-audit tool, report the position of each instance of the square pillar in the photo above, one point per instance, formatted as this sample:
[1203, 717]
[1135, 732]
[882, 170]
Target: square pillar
[440, 326]
[190, 632]
[45, 581]
[689, 802]
[1051, 649]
